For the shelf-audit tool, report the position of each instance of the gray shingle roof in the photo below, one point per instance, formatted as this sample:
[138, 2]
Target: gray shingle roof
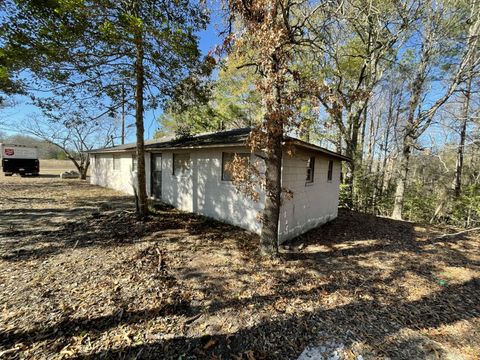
[206, 139]
[217, 138]
[227, 137]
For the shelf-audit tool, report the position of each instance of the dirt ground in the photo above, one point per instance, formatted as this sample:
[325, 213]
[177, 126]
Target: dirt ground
[81, 277]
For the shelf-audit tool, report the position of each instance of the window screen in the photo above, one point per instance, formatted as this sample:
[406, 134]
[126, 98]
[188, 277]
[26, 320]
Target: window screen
[181, 163]
[227, 158]
[330, 170]
[310, 169]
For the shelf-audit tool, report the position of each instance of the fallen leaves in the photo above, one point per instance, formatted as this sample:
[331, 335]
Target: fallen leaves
[180, 285]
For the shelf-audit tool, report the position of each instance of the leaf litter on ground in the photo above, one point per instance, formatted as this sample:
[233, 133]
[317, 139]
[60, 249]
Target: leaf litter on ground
[82, 277]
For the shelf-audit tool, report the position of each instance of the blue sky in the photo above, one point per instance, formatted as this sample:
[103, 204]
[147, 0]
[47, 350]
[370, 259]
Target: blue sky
[208, 40]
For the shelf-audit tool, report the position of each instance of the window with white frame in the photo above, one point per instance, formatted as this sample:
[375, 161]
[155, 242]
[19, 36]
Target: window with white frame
[181, 163]
[310, 170]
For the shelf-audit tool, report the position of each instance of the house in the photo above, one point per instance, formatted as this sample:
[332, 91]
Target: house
[189, 173]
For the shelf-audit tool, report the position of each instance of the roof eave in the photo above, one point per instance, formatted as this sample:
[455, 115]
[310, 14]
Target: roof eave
[108, 151]
[196, 147]
[168, 148]
[309, 146]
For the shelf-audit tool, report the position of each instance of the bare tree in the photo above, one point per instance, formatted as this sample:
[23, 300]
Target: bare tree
[432, 35]
[74, 137]
[464, 120]
[364, 37]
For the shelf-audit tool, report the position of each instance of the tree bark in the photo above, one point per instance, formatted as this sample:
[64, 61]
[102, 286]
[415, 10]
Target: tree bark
[409, 139]
[354, 153]
[273, 167]
[123, 114]
[391, 121]
[81, 166]
[83, 173]
[271, 211]
[401, 182]
[140, 150]
[457, 181]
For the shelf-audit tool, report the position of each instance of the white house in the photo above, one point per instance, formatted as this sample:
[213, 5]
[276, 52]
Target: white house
[189, 173]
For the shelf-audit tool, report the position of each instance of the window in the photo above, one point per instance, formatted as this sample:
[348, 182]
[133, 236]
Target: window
[330, 170]
[227, 158]
[116, 162]
[181, 163]
[310, 169]
[134, 163]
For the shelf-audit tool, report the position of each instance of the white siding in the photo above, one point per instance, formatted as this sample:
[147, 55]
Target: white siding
[312, 204]
[202, 190]
[123, 179]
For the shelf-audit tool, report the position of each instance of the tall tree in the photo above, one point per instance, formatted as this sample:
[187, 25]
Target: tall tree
[364, 38]
[457, 180]
[73, 136]
[100, 46]
[464, 121]
[438, 49]
[274, 30]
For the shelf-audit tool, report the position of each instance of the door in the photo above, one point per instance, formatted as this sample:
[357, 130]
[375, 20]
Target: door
[156, 173]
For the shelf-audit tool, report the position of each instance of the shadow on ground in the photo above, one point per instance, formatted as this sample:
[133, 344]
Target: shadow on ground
[384, 288]
[272, 342]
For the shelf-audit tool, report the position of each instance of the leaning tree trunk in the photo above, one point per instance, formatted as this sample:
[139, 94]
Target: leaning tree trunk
[82, 166]
[141, 192]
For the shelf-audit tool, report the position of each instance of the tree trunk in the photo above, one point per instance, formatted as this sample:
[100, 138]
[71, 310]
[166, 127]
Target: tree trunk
[139, 88]
[123, 114]
[338, 142]
[273, 166]
[391, 120]
[84, 171]
[411, 131]
[271, 211]
[401, 181]
[82, 166]
[372, 136]
[362, 136]
[457, 181]
[354, 150]
[352, 153]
